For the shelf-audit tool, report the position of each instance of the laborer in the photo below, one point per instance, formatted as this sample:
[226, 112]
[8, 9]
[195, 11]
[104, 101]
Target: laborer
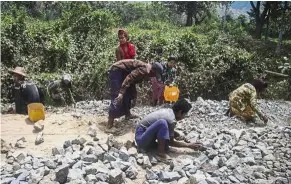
[25, 91]
[122, 75]
[57, 88]
[168, 78]
[159, 126]
[242, 101]
[125, 50]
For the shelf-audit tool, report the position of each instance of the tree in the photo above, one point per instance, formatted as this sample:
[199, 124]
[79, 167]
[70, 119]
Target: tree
[282, 22]
[260, 18]
[197, 10]
[225, 5]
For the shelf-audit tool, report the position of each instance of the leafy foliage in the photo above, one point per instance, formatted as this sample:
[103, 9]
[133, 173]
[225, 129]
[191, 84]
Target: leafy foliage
[80, 39]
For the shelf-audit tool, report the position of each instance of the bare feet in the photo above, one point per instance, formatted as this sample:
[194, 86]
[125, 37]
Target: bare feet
[163, 157]
[110, 123]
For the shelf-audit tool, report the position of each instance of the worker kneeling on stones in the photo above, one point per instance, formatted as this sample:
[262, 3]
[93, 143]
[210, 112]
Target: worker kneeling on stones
[242, 101]
[160, 125]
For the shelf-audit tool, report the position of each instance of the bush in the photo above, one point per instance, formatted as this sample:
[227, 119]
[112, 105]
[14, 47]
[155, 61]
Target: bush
[82, 40]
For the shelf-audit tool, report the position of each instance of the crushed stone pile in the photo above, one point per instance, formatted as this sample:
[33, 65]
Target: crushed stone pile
[236, 152]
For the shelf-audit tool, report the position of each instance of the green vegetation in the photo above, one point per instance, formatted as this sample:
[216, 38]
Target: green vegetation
[49, 38]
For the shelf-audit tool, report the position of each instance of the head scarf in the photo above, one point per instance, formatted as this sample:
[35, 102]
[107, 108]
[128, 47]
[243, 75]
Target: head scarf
[122, 32]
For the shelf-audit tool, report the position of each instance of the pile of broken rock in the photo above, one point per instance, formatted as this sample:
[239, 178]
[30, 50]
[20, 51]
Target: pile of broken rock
[236, 152]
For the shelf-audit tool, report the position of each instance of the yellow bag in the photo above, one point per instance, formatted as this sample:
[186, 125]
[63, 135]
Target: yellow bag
[36, 112]
[171, 93]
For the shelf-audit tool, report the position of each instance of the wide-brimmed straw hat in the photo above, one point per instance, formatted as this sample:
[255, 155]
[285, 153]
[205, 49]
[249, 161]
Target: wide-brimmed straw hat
[18, 70]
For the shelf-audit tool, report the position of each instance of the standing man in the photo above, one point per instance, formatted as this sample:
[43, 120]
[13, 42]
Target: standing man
[168, 78]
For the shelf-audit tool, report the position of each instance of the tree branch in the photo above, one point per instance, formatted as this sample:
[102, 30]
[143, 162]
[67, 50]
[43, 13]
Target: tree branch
[253, 6]
[266, 8]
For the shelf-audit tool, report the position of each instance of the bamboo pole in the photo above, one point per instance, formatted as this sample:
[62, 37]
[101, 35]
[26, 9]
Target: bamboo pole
[277, 74]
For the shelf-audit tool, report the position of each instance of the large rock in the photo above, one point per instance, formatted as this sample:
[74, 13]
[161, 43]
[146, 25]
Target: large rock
[146, 162]
[37, 163]
[169, 176]
[120, 165]
[232, 162]
[179, 164]
[23, 176]
[92, 131]
[38, 127]
[67, 144]
[19, 144]
[131, 172]
[19, 156]
[75, 174]
[123, 154]
[116, 177]
[7, 180]
[36, 176]
[99, 152]
[90, 158]
[150, 175]
[109, 157]
[211, 153]
[269, 157]
[249, 160]
[79, 141]
[39, 138]
[211, 181]
[58, 151]
[102, 177]
[62, 173]
[91, 179]
[132, 151]
[183, 180]
[201, 159]
[112, 142]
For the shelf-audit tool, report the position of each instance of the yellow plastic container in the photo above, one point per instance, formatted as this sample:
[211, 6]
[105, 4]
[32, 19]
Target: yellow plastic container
[171, 93]
[36, 112]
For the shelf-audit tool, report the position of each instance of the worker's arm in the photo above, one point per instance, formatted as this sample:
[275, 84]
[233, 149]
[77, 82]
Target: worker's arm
[180, 144]
[131, 78]
[253, 104]
[71, 96]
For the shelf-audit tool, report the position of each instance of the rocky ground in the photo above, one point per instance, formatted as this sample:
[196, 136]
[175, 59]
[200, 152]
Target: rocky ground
[236, 152]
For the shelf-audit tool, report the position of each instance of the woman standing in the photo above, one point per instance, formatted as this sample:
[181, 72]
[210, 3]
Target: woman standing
[125, 50]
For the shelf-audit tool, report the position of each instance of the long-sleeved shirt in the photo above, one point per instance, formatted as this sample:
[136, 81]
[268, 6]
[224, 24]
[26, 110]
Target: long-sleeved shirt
[169, 74]
[56, 87]
[244, 96]
[137, 71]
[25, 92]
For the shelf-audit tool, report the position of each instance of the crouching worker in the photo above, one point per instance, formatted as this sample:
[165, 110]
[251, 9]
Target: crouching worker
[56, 90]
[25, 92]
[123, 75]
[242, 101]
[160, 125]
